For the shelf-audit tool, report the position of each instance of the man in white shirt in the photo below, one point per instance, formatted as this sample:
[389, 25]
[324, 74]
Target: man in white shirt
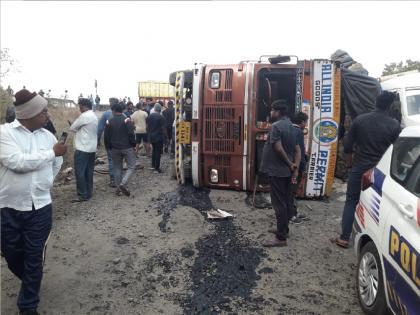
[85, 128]
[30, 158]
[139, 118]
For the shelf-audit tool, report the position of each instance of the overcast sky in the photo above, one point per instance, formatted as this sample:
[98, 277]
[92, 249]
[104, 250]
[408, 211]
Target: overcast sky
[67, 45]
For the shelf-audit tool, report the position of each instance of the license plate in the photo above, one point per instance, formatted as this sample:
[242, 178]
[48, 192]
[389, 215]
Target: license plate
[184, 132]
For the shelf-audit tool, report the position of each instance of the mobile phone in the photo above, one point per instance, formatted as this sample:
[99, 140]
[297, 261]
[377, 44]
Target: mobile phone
[63, 137]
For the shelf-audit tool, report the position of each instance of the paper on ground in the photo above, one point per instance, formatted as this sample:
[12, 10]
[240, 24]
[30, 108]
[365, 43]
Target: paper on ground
[218, 214]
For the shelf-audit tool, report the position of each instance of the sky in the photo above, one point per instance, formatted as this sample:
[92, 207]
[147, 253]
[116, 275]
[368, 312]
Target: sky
[68, 44]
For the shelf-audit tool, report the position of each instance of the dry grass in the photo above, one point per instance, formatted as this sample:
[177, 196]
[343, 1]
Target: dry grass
[59, 116]
[5, 100]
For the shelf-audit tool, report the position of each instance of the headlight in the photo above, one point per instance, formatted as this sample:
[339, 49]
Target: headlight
[215, 80]
[214, 176]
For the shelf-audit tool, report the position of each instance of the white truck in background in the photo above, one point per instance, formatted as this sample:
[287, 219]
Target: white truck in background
[407, 87]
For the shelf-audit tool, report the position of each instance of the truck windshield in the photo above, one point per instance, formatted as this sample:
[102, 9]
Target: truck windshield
[413, 102]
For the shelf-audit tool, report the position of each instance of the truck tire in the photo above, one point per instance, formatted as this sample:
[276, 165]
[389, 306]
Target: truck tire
[188, 77]
[172, 170]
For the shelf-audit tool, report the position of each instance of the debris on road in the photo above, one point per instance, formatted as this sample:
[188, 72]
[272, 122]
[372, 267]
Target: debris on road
[218, 214]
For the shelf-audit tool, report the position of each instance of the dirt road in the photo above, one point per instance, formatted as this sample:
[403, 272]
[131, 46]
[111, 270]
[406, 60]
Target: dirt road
[155, 253]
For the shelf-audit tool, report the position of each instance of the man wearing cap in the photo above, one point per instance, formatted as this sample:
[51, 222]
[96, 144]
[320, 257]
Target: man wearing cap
[156, 128]
[281, 156]
[85, 128]
[30, 158]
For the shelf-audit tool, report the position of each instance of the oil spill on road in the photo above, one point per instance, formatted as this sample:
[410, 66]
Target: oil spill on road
[224, 269]
[197, 198]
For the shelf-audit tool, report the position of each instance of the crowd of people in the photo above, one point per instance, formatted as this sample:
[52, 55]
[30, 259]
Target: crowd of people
[31, 157]
[284, 160]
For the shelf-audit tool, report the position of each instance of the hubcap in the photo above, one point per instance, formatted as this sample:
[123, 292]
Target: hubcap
[368, 279]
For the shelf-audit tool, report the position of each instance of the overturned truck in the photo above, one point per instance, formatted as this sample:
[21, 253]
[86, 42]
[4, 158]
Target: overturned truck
[223, 119]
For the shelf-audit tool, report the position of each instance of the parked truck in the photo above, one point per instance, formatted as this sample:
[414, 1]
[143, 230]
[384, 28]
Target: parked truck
[155, 91]
[223, 119]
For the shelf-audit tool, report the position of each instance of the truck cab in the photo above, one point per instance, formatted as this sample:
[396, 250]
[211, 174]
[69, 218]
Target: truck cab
[225, 112]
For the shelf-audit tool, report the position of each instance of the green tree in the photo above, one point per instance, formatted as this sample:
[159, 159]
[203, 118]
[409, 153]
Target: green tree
[394, 67]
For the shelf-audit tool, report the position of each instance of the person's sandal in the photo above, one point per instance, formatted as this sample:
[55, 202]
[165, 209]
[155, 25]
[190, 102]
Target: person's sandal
[341, 243]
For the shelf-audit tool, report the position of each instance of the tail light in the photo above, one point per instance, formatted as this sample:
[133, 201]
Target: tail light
[367, 179]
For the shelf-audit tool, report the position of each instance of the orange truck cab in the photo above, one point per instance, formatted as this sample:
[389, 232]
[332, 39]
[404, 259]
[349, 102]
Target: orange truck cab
[223, 119]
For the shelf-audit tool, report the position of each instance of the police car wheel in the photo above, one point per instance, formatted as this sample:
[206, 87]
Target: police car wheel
[369, 281]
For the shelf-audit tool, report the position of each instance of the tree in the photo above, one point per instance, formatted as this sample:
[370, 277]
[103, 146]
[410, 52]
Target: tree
[394, 67]
[8, 64]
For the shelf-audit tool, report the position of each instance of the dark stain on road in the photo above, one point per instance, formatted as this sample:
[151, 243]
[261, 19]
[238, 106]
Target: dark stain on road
[224, 269]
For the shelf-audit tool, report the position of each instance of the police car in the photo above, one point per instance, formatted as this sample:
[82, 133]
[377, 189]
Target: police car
[387, 230]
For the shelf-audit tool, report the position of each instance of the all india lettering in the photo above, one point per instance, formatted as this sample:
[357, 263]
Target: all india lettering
[326, 89]
[323, 89]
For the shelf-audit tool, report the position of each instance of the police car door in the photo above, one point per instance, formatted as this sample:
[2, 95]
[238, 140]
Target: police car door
[401, 235]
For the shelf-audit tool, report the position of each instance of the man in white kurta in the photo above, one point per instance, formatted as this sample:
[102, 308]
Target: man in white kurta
[30, 158]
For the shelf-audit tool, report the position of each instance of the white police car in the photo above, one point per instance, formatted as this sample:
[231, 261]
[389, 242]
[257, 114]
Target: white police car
[387, 230]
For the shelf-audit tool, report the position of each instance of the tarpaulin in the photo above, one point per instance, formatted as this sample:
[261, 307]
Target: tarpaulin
[359, 91]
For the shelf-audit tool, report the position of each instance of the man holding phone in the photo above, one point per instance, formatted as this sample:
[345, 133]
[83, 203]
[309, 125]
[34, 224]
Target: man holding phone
[85, 128]
[30, 158]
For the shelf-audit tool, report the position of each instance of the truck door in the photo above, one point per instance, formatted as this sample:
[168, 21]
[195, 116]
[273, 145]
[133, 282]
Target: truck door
[223, 127]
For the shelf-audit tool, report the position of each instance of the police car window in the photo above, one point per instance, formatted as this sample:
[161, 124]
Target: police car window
[405, 157]
[413, 183]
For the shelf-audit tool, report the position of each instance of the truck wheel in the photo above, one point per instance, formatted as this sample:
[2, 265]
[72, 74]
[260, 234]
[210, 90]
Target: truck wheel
[188, 77]
[370, 282]
[173, 170]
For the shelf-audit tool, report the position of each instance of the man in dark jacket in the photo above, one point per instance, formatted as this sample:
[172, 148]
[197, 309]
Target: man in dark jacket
[169, 115]
[372, 133]
[156, 129]
[299, 121]
[281, 157]
[120, 139]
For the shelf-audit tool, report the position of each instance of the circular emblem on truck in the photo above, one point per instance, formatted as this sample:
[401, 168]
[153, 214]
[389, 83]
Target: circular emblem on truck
[325, 131]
